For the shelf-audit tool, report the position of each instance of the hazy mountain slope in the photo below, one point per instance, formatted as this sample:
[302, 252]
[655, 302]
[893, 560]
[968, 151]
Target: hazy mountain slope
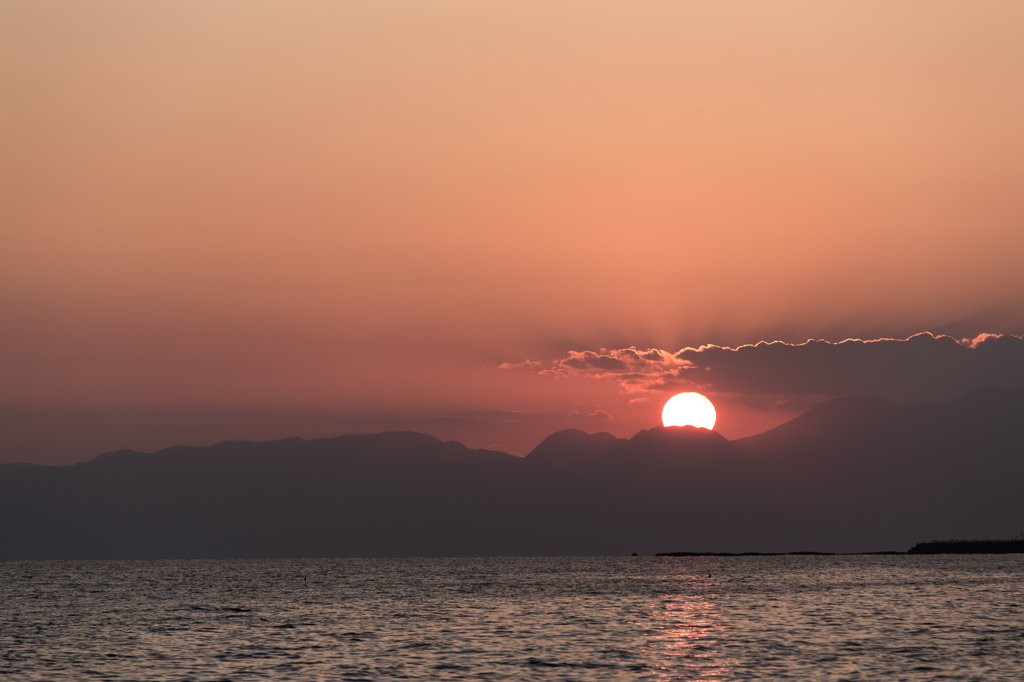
[879, 474]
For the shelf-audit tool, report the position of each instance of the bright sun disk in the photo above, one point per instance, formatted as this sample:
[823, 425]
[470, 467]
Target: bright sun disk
[689, 409]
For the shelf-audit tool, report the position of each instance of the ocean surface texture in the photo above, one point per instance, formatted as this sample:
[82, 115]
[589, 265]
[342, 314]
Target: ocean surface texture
[644, 618]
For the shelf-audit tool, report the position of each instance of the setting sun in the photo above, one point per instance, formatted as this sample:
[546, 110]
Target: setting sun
[689, 409]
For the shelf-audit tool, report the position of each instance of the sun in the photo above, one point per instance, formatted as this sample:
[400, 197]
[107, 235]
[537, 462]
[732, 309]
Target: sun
[689, 409]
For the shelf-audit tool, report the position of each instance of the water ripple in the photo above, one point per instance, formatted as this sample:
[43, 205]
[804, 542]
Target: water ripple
[800, 618]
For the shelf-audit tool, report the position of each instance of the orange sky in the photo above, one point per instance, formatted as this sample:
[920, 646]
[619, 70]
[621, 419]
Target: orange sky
[363, 209]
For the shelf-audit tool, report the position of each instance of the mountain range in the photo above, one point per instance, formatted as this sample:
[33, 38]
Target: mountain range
[850, 475]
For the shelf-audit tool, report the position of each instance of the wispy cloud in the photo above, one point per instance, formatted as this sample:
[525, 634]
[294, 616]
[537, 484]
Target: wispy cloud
[525, 364]
[599, 415]
[634, 369]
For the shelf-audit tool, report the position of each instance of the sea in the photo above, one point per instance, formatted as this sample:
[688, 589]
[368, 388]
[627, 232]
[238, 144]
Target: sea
[881, 617]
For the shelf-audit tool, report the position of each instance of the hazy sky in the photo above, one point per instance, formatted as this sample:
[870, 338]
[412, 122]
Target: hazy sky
[348, 216]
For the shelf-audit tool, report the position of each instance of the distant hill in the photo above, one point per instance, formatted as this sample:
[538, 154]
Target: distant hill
[858, 474]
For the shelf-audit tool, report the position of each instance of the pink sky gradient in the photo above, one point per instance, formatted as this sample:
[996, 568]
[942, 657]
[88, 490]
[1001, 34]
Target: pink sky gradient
[346, 217]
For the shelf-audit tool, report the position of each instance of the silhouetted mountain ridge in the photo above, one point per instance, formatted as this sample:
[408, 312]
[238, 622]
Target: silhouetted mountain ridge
[858, 474]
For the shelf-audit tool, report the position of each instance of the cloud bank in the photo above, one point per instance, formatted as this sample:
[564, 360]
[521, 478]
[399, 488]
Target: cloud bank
[922, 367]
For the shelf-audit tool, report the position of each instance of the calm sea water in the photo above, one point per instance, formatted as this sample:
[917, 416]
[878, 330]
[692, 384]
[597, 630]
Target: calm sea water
[806, 618]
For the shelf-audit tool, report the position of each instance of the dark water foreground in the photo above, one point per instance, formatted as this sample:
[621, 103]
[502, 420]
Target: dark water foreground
[694, 618]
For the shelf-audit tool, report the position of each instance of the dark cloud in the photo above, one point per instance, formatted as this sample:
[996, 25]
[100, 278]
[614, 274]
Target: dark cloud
[591, 360]
[922, 367]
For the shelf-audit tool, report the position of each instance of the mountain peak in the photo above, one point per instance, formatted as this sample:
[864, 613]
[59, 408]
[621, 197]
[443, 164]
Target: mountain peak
[571, 445]
[681, 436]
[831, 418]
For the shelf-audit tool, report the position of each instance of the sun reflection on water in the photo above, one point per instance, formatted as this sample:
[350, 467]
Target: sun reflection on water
[689, 635]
